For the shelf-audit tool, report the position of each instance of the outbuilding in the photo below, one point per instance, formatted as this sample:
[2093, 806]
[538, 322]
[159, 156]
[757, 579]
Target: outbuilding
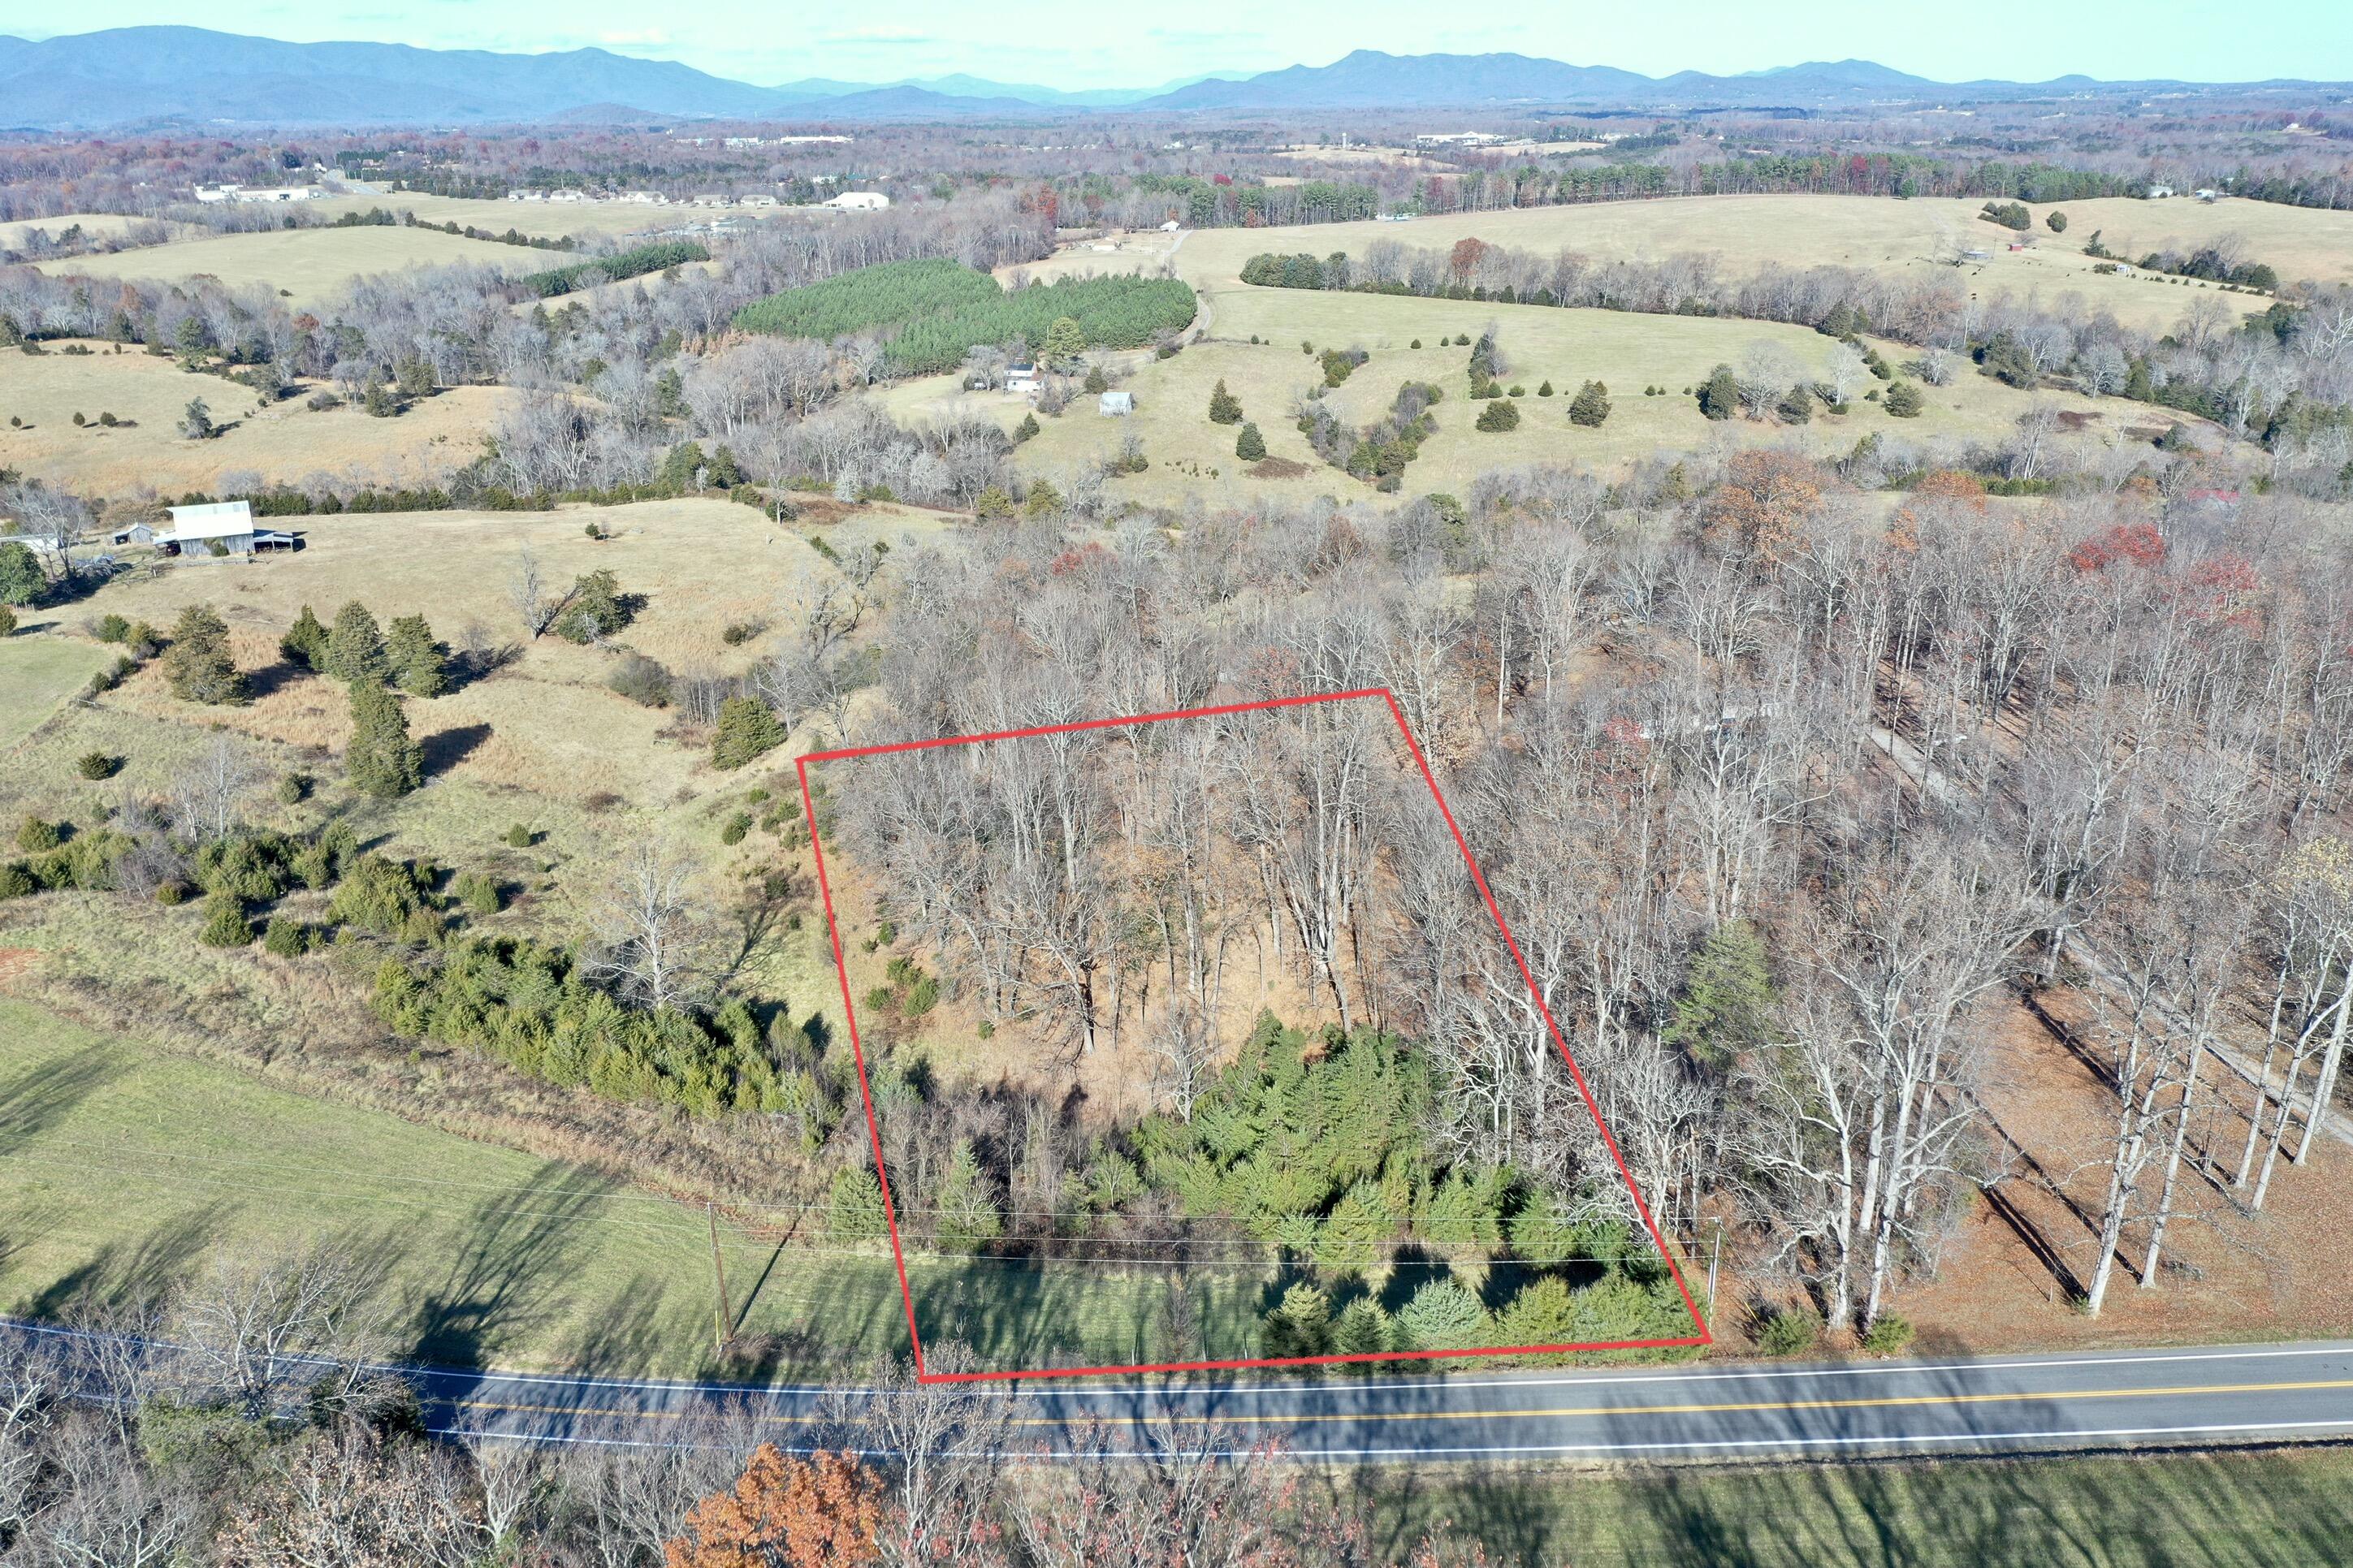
[1117, 405]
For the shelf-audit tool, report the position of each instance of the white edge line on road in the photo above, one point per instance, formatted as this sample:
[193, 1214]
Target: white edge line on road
[1502, 1450]
[1531, 1380]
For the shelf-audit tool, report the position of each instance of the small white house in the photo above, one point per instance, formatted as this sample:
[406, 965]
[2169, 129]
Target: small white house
[1171, 226]
[1116, 405]
[1021, 378]
[858, 201]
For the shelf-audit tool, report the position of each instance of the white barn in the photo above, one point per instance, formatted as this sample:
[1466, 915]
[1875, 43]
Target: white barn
[857, 202]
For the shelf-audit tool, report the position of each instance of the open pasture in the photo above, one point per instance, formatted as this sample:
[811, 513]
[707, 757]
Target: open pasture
[97, 225]
[1869, 233]
[309, 266]
[1623, 351]
[549, 220]
[284, 442]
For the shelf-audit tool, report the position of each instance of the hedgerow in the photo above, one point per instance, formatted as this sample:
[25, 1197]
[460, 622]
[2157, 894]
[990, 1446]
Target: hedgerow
[935, 310]
[530, 1006]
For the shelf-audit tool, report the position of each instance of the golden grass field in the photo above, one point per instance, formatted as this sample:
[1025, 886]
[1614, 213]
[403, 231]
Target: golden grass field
[12, 234]
[550, 220]
[1872, 233]
[285, 442]
[311, 266]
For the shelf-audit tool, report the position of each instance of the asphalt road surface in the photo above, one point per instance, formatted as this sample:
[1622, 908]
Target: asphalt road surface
[2106, 1399]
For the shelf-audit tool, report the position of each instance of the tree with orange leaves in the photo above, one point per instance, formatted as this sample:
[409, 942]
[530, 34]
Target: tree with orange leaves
[822, 1512]
[1765, 504]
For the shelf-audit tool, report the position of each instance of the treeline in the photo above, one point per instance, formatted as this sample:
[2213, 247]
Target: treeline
[613, 268]
[936, 312]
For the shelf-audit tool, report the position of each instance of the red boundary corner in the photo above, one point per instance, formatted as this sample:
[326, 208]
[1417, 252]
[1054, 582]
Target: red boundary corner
[874, 1131]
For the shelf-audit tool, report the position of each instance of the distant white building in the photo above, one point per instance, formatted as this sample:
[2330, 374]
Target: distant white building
[2156, 192]
[1116, 405]
[857, 202]
[1171, 226]
[645, 198]
[259, 193]
[1022, 377]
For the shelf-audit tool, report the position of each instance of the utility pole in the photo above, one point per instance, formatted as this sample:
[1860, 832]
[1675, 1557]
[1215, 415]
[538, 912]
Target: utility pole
[719, 1277]
[1714, 1257]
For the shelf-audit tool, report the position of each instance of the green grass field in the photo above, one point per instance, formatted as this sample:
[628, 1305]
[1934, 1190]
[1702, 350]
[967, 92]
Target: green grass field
[38, 673]
[2248, 1510]
[124, 1171]
[311, 266]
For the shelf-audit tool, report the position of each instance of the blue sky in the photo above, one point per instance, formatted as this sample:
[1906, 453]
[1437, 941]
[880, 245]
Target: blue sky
[1088, 43]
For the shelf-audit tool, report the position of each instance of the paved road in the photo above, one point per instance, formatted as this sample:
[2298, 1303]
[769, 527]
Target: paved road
[2112, 1398]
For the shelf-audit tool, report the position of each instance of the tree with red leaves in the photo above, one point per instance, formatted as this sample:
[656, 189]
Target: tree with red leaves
[1465, 257]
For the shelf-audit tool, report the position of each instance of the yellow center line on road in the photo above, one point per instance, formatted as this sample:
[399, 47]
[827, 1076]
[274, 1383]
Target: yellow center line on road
[1571, 1412]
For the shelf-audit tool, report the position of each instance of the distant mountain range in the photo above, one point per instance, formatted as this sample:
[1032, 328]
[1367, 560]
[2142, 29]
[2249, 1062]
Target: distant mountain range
[130, 77]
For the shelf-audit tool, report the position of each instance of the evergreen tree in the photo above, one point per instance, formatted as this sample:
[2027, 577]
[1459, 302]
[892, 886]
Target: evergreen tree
[305, 642]
[1590, 406]
[1300, 1325]
[2057, 222]
[1065, 340]
[225, 922]
[419, 665]
[593, 609]
[1026, 429]
[1250, 446]
[197, 421]
[198, 664]
[968, 1214]
[682, 466]
[746, 730]
[1728, 1000]
[1719, 396]
[1225, 408]
[1903, 400]
[992, 505]
[22, 581]
[1362, 1329]
[1500, 414]
[1095, 384]
[355, 645]
[1797, 406]
[1044, 500]
[380, 760]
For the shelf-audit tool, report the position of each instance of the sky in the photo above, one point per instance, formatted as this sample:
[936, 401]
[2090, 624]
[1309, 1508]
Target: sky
[1075, 44]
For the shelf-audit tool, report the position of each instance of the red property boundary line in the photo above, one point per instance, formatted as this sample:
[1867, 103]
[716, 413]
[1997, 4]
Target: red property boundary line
[1477, 877]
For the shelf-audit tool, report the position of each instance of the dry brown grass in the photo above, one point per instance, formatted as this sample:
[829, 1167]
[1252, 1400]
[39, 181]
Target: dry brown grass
[98, 224]
[1872, 232]
[284, 442]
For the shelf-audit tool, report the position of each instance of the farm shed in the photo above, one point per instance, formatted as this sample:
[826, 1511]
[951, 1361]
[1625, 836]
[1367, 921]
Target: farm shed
[1119, 405]
[220, 528]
